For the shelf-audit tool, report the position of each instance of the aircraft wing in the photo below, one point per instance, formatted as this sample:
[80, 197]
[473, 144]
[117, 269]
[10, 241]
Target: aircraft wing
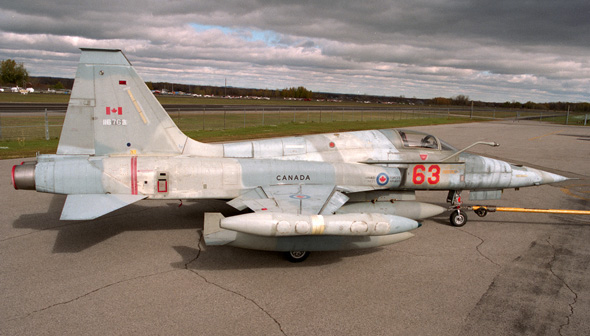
[294, 199]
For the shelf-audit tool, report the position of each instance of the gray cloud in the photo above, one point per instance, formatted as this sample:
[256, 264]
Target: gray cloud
[489, 50]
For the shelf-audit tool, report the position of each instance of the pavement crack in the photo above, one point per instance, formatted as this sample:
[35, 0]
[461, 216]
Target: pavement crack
[89, 293]
[481, 241]
[194, 271]
[575, 300]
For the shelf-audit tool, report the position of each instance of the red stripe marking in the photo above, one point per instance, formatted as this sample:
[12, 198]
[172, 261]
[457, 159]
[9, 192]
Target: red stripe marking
[13, 182]
[134, 175]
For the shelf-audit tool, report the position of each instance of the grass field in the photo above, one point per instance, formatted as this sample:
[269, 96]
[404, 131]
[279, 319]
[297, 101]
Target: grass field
[27, 147]
[8, 97]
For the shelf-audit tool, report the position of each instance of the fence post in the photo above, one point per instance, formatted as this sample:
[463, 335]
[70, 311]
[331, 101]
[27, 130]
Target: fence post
[567, 118]
[263, 116]
[46, 125]
[0, 127]
[585, 119]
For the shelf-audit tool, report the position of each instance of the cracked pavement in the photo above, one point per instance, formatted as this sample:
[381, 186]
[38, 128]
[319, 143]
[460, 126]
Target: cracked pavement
[190, 268]
[144, 270]
[575, 295]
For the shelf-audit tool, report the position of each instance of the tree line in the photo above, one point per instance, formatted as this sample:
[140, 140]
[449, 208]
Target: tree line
[462, 100]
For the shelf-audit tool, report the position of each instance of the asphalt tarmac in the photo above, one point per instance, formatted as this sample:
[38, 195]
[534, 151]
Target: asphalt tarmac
[141, 269]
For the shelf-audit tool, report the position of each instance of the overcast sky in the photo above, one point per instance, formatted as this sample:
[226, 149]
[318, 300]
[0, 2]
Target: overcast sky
[501, 50]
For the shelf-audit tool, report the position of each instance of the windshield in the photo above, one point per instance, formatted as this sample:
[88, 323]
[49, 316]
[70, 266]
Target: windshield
[413, 139]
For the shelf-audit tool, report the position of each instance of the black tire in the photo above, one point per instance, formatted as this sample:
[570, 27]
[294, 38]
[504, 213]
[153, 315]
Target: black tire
[458, 218]
[481, 212]
[296, 256]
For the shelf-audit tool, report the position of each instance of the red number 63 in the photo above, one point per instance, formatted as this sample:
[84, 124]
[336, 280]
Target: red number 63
[418, 176]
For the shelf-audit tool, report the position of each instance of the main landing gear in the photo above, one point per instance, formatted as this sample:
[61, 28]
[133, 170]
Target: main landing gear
[458, 217]
[296, 256]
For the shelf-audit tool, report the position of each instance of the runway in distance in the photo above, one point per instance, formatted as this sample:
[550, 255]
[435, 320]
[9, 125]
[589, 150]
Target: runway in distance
[334, 191]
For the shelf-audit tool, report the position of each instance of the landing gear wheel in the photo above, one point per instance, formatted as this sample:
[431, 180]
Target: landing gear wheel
[458, 218]
[296, 256]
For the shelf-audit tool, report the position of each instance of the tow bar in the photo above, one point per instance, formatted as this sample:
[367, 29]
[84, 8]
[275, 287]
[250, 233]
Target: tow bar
[482, 210]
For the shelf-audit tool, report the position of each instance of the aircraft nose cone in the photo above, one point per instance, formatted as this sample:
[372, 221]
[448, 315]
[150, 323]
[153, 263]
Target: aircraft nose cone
[526, 176]
[547, 177]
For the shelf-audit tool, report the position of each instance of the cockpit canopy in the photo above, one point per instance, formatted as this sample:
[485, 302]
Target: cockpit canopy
[410, 139]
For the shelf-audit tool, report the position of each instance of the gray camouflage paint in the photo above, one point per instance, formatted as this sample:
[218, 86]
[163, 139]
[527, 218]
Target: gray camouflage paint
[118, 146]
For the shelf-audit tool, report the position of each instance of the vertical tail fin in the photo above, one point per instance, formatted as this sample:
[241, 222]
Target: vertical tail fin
[112, 111]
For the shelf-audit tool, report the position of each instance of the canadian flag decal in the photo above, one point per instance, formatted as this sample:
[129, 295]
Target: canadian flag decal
[114, 110]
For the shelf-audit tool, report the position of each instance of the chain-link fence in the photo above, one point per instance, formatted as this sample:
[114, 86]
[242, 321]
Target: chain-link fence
[47, 124]
[28, 125]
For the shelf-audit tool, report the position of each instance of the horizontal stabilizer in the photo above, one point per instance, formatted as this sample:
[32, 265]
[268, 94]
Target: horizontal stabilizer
[91, 206]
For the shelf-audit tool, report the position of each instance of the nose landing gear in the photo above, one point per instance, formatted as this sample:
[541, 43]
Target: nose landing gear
[458, 217]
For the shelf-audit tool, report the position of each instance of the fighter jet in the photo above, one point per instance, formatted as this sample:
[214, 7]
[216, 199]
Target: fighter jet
[324, 192]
